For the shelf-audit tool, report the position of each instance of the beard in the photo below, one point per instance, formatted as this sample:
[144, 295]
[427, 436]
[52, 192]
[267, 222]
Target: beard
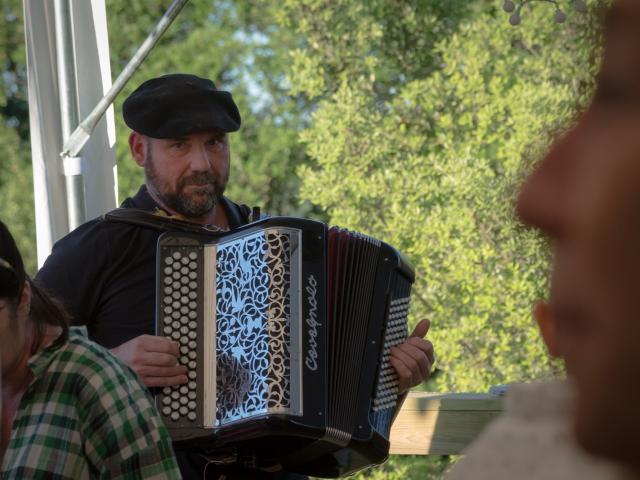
[205, 193]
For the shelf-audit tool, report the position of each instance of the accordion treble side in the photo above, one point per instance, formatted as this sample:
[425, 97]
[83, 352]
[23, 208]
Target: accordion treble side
[285, 326]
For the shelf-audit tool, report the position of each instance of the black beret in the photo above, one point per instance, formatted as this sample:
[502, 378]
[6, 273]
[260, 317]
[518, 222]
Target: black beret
[178, 104]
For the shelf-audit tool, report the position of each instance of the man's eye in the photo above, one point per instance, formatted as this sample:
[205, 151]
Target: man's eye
[179, 145]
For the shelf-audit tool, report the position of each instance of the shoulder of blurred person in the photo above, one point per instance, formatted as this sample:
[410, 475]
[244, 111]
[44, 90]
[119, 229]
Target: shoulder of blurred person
[533, 440]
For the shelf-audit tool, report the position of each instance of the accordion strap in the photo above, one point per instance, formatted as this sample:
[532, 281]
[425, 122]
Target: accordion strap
[145, 219]
[240, 215]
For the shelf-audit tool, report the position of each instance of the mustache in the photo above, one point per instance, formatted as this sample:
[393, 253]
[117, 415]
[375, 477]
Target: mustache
[198, 179]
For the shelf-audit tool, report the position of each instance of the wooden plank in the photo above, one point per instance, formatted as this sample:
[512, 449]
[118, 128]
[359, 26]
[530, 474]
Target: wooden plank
[441, 424]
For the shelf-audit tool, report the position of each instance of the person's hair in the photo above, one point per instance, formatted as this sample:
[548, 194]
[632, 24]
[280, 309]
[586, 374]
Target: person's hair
[45, 310]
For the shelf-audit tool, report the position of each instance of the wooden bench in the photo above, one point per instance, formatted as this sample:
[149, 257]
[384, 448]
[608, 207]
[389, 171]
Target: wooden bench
[441, 424]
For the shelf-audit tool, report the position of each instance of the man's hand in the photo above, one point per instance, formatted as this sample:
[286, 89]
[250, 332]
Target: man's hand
[154, 359]
[413, 358]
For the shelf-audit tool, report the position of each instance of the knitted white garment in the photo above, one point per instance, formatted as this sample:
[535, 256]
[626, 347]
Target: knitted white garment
[532, 440]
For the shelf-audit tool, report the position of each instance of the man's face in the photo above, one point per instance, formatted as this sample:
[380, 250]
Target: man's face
[585, 195]
[188, 174]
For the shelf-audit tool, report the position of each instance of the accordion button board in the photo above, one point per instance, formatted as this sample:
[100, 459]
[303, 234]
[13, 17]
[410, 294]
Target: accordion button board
[180, 305]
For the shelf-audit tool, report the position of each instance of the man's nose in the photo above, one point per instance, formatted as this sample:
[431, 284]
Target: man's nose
[200, 160]
[542, 199]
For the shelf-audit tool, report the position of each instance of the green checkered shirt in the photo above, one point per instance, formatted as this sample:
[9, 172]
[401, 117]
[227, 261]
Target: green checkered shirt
[86, 415]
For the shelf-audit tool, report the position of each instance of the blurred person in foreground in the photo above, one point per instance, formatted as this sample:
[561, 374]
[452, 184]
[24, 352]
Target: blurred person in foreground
[70, 409]
[585, 196]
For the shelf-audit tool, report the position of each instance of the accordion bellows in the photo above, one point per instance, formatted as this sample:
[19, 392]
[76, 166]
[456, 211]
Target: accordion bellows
[285, 326]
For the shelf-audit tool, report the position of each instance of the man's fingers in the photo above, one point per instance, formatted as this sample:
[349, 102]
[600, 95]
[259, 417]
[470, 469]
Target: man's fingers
[164, 381]
[153, 343]
[415, 359]
[404, 374]
[425, 345]
[421, 328]
[414, 377]
[157, 359]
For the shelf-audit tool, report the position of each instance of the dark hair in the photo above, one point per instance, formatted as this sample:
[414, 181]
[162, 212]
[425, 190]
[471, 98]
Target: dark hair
[45, 310]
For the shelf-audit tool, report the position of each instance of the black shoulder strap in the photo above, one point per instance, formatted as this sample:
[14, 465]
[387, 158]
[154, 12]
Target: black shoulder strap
[239, 214]
[143, 218]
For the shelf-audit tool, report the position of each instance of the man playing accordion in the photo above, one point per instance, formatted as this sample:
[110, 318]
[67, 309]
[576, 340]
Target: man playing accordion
[105, 272]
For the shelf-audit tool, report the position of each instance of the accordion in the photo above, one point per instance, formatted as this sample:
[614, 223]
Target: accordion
[285, 326]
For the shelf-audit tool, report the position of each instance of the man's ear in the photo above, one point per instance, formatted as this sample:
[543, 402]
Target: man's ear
[544, 318]
[138, 146]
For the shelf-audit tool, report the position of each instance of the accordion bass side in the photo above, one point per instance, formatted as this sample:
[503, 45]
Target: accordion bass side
[285, 326]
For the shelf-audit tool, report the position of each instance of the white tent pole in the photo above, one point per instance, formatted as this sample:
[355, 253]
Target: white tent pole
[51, 107]
[67, 87]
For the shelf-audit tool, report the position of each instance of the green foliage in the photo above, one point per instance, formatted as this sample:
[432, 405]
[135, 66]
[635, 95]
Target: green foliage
[431, 164]
[378, 43]
[16, 193]
[16, 186]
[13, 81]
[407, 467]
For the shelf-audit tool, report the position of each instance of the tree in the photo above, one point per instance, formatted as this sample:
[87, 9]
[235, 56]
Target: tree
[16, 186]
[428, 158]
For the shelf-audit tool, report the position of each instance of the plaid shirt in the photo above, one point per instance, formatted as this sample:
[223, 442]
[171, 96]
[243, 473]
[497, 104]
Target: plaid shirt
[86, 415]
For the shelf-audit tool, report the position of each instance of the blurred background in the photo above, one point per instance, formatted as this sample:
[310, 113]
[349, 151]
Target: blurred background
[410, 120]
